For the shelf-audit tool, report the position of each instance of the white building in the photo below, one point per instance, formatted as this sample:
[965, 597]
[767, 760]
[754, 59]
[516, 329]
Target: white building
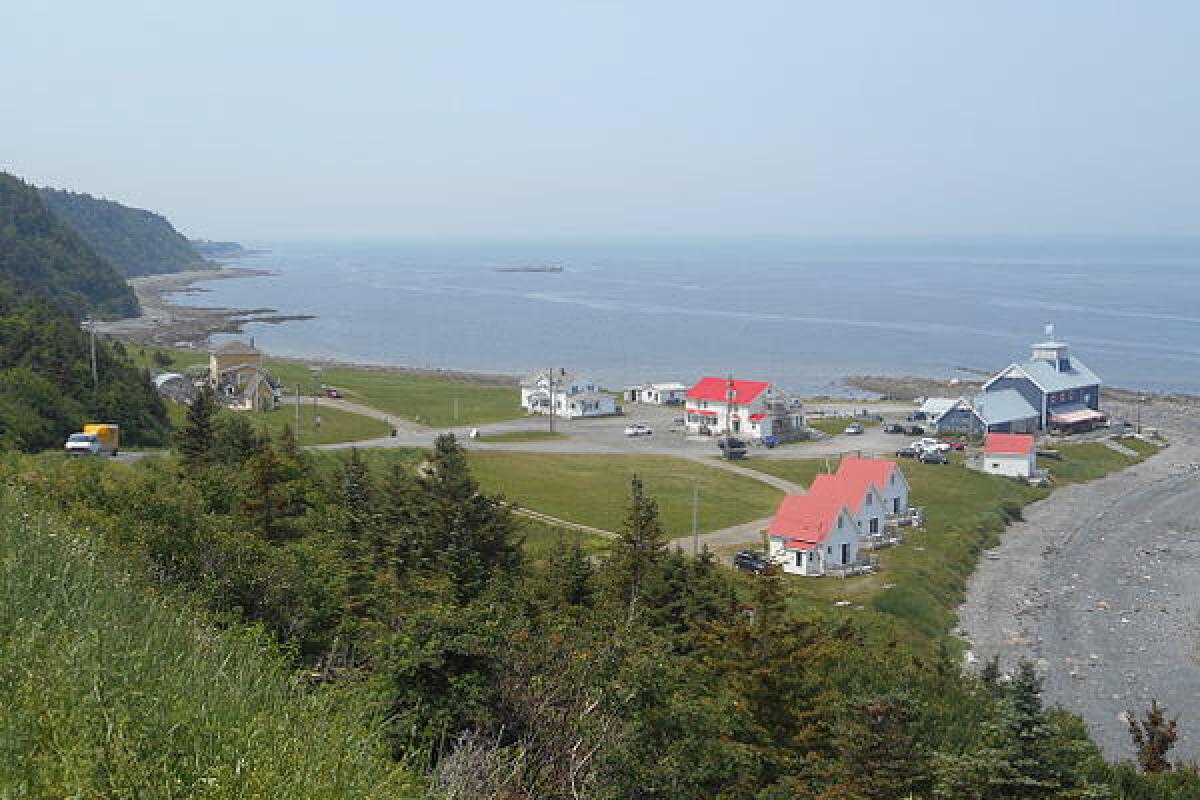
[811, 535]
[565, 395]
[1011, 454]
[756, 409]
[662, 394]
[884, 475]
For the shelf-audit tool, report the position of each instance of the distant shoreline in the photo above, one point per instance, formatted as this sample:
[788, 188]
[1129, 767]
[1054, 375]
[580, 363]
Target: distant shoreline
[165, 323]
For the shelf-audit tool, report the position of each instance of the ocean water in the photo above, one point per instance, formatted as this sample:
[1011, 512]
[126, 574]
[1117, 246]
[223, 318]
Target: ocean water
[799, 312]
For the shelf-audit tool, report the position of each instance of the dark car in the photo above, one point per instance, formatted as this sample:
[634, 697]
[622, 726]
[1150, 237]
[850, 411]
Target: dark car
[955, 444]
[933, 457]
[730, 443]
[750, 561]
[916, 430]
[893, 428]
[907, 452]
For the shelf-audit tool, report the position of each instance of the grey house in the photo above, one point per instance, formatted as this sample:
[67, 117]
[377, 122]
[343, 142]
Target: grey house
[1060, 389]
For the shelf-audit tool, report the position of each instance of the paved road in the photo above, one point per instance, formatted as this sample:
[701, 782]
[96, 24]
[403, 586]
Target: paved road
[1101, 586]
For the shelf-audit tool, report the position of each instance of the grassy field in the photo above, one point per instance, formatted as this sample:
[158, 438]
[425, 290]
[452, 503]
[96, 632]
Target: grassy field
[594, 490]
[836, 425]
[521, 436]
[430, 401]
[543, 541]
[112, 691]
[336, 425]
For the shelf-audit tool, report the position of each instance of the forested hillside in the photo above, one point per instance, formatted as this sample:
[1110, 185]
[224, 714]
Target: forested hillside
[46, 389]
[134, 241]
[42, 254]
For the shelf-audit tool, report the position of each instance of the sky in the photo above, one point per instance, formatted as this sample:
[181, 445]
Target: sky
[604, 118]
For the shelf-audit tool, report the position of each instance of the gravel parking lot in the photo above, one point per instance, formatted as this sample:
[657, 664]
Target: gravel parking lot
[1099, 586]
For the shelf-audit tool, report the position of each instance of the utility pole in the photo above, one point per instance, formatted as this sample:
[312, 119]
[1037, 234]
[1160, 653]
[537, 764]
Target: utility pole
[299, 399]
[1140, 399]
[550, 374]
[91, 326]
[695, 517]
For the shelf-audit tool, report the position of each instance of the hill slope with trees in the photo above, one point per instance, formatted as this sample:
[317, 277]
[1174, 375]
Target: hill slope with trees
[134, 241]
[39, 253]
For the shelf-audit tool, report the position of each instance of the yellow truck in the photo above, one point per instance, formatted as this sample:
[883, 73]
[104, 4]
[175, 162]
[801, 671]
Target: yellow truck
[94, 440]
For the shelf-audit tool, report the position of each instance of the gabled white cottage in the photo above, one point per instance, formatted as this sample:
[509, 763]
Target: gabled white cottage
[885, 475]
[862, 499]
[812, 535]
[565, 395]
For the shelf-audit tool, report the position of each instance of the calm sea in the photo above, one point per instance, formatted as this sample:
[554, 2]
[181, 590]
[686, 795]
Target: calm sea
[801, 313]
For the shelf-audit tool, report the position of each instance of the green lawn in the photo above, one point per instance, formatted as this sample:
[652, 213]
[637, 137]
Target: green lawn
[836, 425]
[430, 401]
[541, 541]
[594, 490]
[521, 436]
[336, 425]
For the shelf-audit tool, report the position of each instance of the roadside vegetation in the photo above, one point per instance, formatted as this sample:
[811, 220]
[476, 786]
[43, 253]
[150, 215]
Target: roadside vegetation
[521, 436]
[111, 690]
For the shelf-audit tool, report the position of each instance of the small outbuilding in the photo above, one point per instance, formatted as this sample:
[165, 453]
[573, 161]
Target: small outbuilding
[662, 394]
[1011, 454]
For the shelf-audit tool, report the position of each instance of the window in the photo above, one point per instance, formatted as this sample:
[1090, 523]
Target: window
[896, 505]
[829, 549]
[845, 554]
[874, 524]
[799, 559]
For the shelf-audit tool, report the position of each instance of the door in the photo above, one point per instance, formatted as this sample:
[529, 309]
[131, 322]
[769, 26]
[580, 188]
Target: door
[737, 426]
[845, 553]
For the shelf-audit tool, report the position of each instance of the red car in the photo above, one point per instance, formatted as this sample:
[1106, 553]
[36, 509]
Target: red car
[331, 392]
[955, 444]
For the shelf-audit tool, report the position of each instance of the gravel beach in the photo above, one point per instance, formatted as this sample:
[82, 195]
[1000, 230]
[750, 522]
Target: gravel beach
[1099, 586]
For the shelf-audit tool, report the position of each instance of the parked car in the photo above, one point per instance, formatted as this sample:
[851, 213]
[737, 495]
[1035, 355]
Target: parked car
[907, 452]
[730, 443]
[750, 561]
[770, 441]
[933, 457]
[638, 429]
[854, 429]
[331, 392]
[893, 428]
[955, 444]
[915, 430]
[931, 444]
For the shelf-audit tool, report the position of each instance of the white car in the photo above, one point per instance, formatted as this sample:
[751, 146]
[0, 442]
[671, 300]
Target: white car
[854, 428]
[638, 429]
[930, 444]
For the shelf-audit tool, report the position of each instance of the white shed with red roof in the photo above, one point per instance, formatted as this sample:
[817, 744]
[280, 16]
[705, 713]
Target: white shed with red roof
[756, 409]
[1011, 454]
[811, 535]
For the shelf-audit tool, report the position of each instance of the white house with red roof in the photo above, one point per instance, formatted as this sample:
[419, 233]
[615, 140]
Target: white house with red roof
[1011, 454]
[756, 409]
[886, 476]
[812, 535]
[863, 500]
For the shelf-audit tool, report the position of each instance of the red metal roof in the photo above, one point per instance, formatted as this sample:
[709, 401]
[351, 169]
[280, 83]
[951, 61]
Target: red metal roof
[862, 471]
[717, 389]
[1013, 444]
[799, 544]
[841, 489]
[805, 517]
[701, 411]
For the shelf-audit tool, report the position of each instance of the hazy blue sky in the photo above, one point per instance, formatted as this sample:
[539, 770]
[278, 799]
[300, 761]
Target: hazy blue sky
[385, 119]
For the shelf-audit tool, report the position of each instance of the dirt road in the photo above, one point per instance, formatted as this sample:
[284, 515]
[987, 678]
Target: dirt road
[1100, 585]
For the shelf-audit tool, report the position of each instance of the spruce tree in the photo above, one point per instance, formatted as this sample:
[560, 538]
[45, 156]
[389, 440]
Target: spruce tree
[639, 549]
[196, 437]
[1153, 737]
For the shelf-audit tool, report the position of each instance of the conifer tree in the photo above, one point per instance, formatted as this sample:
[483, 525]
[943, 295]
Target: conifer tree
[195, 438]
[1153, 737]
[639, 549]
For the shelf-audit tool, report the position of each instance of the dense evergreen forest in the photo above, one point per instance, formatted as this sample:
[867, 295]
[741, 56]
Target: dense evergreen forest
[134, 241]
[641, 674]
[39, 253]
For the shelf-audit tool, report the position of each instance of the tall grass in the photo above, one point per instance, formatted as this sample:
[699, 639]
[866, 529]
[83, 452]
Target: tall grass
[109, 690]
